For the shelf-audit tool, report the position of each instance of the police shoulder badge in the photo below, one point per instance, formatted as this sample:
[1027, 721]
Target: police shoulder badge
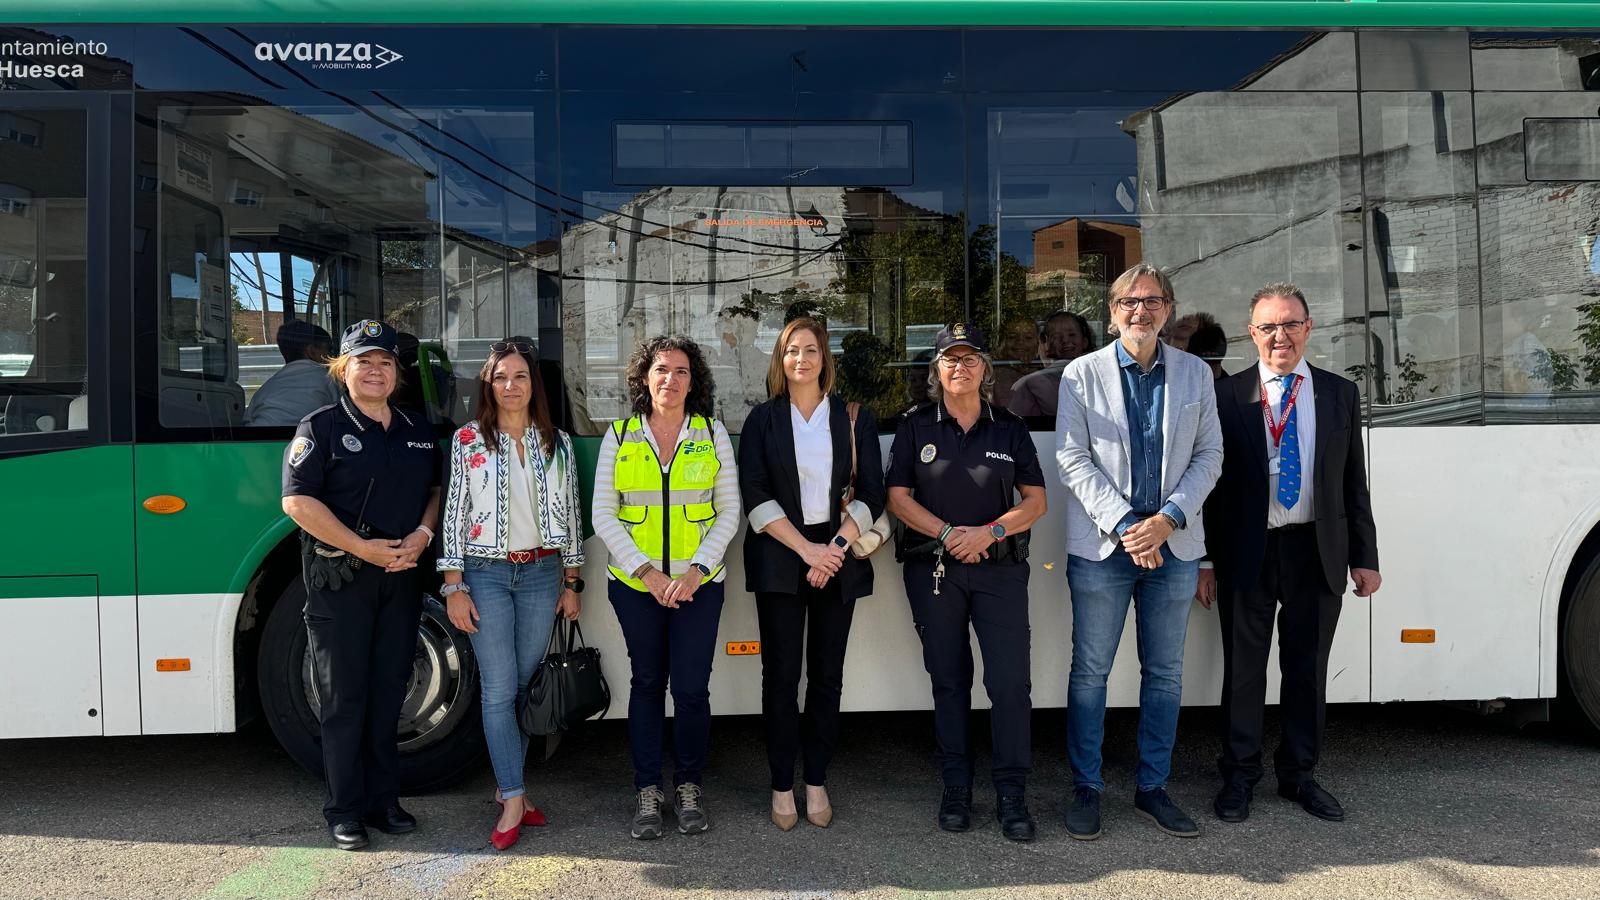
[299, 450]
[929, 452]
[351, 443]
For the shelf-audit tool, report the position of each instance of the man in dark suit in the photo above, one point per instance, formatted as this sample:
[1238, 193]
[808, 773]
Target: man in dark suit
[1289, 515]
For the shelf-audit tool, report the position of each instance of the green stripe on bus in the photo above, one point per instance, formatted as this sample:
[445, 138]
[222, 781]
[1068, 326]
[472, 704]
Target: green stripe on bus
[49, 586]
[70, 512]
[1289, 13]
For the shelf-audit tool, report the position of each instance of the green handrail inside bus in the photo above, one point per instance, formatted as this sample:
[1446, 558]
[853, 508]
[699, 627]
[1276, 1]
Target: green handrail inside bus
[426, 353]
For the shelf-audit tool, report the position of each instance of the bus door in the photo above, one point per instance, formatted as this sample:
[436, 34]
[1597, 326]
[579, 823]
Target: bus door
[66, 571]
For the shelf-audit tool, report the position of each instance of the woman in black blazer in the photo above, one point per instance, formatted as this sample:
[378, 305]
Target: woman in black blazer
[794, 474]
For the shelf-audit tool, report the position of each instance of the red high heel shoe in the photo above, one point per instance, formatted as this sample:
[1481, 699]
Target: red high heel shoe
[505, 840]
[530, 816]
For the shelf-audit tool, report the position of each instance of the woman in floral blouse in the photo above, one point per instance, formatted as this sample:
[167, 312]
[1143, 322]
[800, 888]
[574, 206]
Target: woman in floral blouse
[513, 549]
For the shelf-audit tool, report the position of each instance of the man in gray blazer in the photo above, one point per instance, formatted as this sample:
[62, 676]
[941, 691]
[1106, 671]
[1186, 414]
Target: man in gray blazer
[1139, 448]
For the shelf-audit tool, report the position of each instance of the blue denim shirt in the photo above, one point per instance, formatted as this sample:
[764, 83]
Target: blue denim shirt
[1144, 396]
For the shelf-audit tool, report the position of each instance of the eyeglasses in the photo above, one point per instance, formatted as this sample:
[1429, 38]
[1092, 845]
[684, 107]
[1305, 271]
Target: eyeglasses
[1271, 328]
[970, 360]
[503, 346]
[1135, 302]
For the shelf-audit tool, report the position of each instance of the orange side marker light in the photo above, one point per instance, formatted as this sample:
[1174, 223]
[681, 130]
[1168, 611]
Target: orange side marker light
[1416, 635]
[165, 504]
[744, 648]
[172, 665]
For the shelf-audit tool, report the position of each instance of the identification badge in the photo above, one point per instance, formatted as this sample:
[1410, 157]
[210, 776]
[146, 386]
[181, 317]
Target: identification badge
[351, 443]
[1272, 466]
[928, 453]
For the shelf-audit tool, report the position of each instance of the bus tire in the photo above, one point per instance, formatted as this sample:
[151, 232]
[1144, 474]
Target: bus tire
[1580, 650]
[440, 731]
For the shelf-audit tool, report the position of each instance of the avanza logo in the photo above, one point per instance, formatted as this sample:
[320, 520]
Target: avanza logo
[329, 55]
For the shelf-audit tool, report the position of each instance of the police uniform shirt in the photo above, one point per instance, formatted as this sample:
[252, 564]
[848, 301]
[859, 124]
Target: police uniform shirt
[964, 478]
[337, 450]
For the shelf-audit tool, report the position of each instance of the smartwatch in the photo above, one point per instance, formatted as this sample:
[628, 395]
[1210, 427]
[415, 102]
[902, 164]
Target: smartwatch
[840, 542]
[704, 572]
[997, 530]
[573, 584]
[449, 589]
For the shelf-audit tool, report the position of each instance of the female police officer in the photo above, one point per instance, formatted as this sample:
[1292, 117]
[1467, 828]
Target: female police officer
[955, 468]
[361, 479]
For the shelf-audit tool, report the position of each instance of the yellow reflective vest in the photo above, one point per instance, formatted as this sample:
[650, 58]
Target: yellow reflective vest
[667, 514]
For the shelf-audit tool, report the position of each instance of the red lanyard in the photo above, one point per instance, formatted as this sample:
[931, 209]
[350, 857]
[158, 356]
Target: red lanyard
[1276, 429]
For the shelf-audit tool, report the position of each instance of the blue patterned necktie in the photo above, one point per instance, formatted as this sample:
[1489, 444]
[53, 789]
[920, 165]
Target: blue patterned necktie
[1289, 450]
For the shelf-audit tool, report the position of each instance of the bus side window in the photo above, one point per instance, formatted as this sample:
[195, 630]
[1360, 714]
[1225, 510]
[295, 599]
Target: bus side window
[43, 272]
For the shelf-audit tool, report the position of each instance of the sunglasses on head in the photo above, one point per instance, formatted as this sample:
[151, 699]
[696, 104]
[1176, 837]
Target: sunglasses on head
[503, 346]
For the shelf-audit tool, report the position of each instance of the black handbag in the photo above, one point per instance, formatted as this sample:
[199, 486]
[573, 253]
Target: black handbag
[567, 687]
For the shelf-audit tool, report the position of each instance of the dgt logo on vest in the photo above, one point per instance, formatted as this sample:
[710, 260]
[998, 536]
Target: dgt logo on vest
[327, 55]
[692, 447]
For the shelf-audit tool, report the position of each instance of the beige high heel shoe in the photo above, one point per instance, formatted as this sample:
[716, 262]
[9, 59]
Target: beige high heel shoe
[822, 818]
[784, 821]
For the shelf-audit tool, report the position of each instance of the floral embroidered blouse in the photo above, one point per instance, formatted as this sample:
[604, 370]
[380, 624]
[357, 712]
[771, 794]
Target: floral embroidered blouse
[476, 503]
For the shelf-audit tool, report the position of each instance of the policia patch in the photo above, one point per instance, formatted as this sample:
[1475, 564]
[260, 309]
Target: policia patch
[299, 450]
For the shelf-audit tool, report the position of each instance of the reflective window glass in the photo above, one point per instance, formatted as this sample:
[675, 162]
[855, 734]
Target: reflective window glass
[1226, 191]
[866, 235]
[1541, 272]
[1422, 258]
[43, 272]
[283, 223]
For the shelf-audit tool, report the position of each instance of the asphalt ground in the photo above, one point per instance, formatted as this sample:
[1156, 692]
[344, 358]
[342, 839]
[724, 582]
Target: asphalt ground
[1441, 802]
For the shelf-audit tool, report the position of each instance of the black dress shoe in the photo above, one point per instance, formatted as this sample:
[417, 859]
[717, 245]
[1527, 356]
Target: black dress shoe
[1015, 821]
[955, 809]
[1233, 801]
[1313, 799]
[348, 835]
[393, 820]
[1083, 817]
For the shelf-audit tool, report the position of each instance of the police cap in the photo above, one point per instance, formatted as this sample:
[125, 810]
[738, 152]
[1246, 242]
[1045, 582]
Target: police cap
[959, 334]
[369, 334]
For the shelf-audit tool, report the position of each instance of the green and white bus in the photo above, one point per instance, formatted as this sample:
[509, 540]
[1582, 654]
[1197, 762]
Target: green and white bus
[178, 178]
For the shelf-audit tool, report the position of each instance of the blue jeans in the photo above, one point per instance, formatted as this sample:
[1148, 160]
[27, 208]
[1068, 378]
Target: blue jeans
[516, 606]
[1101, 591]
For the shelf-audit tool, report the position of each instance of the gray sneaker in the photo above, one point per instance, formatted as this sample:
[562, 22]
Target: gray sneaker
[647, 824]
[692, 819]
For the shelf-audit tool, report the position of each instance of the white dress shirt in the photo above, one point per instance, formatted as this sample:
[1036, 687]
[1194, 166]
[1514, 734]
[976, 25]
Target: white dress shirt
[1305, 426]
[813, 457]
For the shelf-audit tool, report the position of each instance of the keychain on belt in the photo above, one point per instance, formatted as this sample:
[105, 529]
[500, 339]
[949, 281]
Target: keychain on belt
[938, 557]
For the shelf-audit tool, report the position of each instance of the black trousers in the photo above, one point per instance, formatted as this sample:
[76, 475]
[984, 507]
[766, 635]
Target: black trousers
[994, 599]
[1292, 586]
[786, 640]
[363, 646]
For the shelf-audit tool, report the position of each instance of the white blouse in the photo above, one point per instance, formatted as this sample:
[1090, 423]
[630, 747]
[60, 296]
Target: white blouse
[813, 457]
[523, 526]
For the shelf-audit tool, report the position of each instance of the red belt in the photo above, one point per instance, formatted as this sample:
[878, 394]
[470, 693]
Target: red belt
[527, 556]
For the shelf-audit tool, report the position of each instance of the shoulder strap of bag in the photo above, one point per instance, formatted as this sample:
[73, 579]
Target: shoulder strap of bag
[853, 408]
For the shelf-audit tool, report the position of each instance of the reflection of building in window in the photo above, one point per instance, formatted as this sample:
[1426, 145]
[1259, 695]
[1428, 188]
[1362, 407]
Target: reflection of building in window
[15, 200]
[1242, 187]
[728, 266]
[1075, 259]
[21, 130]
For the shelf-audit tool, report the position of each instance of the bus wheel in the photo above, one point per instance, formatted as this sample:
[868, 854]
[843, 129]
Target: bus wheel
[1580, 648]
[441, 738]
